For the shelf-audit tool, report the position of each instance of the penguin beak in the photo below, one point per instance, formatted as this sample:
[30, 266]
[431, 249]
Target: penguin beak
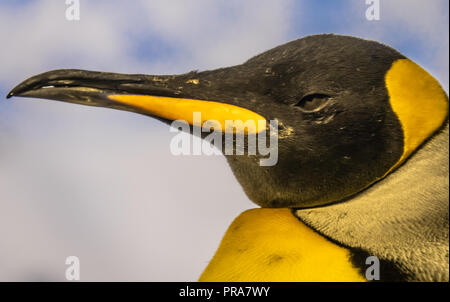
[168, 97]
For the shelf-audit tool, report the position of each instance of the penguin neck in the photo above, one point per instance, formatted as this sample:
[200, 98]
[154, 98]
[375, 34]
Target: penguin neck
[402, 218]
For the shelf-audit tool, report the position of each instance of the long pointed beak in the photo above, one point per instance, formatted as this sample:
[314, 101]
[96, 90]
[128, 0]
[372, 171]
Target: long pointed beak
[170, 97]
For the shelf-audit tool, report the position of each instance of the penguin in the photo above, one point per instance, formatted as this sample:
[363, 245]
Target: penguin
[360, 188]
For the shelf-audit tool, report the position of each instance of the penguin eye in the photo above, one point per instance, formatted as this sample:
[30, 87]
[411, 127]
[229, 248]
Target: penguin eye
[313, 102]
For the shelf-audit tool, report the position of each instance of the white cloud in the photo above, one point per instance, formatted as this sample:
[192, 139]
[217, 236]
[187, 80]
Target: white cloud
[38, 37]
[410, 22]
[427, 22]
[220, 33]
[204, 34]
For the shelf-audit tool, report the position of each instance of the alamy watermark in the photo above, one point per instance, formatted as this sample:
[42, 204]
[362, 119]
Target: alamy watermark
[73, 269]
[373, 271]
[235, 134]
[373, 11]
[73, 10]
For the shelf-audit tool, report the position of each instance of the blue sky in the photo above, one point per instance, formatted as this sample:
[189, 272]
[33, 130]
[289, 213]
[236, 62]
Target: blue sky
[102, 184]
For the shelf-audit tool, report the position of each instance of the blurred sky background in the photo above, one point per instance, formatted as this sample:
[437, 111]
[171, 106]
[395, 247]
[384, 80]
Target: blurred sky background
[102, 184]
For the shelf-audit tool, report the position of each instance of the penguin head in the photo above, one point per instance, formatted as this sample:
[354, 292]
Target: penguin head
[349, 112]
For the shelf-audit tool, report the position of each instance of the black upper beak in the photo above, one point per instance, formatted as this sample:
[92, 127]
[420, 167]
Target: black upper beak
[73, 84]
[168, 97]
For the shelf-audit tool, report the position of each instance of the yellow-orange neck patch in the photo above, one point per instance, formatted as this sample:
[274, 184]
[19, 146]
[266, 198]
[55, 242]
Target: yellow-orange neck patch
[264, 245]
[419, 102]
